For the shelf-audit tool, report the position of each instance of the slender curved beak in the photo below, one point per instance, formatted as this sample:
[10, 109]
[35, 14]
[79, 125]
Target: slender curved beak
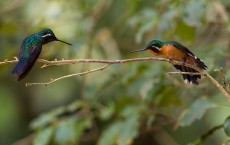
[64, 42]
[143, 49]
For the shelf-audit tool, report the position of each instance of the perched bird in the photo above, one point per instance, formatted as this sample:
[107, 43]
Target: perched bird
[176, 51]
[31, 49]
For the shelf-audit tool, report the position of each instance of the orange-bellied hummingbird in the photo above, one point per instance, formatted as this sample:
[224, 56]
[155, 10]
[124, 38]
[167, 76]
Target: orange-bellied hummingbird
[176, 51]
[31, 49]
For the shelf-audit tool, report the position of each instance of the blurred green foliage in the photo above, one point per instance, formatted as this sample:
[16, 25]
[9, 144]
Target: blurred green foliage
[136, 103]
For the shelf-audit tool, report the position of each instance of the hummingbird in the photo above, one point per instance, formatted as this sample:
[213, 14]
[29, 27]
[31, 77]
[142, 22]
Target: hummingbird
[30, 50]
[176, 51]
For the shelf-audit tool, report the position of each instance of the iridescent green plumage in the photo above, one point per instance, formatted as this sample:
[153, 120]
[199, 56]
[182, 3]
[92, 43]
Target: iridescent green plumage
[30, 51]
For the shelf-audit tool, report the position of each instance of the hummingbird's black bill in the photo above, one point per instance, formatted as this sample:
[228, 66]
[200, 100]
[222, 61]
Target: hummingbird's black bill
[143, 49]
[64, 42]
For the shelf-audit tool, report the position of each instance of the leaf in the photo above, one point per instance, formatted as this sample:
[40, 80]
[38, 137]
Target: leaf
[196, 142]
[144, 90]
[43, 136]
[227, 126]
[110, 134]
[81, 126]
[128, 130]
[122, 132]
[69, 131]
[107, 112]
[195, 112]
[65, 133]
[46, 118]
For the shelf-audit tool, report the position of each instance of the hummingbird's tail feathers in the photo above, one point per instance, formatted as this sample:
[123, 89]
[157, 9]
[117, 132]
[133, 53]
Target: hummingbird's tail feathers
[19, 67]
[188, 78]
[26, 71]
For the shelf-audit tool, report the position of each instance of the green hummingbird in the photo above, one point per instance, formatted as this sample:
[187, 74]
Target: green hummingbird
[30, 50]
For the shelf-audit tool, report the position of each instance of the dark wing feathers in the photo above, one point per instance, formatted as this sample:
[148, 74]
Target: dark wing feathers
[19, 67]
[199, 62]
[25, 65]
[34, 56]
[182, 47]
[187, 77]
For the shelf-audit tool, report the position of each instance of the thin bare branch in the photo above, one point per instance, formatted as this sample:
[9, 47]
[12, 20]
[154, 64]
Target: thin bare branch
[67, 76]
[47, 63]
[185, 73]
[64, 62]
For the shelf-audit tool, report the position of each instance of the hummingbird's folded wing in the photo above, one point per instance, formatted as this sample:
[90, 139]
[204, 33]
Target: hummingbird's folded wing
[26, 65]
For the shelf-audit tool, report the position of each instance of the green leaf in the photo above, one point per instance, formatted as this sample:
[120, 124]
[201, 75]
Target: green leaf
[69, 131]
[227, 126]
[128, 130]
[43, 136]
[110, 134]
[195, 112]
[65, 133]
[124, 131]
[144, 90]
[46, 118]
[81, 126]
[107, 112]
[197, 142]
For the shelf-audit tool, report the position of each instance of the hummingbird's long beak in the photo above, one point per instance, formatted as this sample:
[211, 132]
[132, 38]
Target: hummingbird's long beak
[64, 42]
[143, 49]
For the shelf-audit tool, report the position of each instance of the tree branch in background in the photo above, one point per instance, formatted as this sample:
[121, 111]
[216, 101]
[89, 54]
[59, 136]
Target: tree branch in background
[210, 132]
[47, 63]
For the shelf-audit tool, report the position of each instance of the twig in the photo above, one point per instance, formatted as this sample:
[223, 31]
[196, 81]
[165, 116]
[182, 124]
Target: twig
[67, 76]
[186, 73]
[64, 62]
[9, 61]
[223, 78]
[210, 132]
[174, 62]
[225, 92]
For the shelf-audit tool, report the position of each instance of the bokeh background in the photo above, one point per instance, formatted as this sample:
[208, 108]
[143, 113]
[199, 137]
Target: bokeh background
[134, 103]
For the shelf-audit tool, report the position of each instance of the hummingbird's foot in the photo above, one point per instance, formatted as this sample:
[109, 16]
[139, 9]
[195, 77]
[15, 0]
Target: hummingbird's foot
[183, 62]
[171, 60]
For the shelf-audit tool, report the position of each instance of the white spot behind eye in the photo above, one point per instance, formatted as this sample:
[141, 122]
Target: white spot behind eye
[156, 47]
[47, 35]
